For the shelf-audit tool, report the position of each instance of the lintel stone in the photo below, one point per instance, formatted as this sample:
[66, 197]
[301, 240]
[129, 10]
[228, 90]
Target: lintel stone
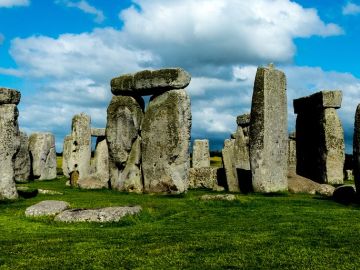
[319, 100]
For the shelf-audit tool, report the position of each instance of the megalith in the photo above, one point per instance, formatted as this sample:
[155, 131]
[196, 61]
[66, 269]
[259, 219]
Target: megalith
[241, 144]
[356, 150]
[124, 117]
[9, 141]
[292, 152]
[268, 131]
[68, 141]
[320, 148]
[201, 154]
[22, 160]
[228, 159]
[43, 156]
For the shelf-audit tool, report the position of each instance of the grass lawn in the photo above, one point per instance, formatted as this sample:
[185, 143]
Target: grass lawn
[254, 232]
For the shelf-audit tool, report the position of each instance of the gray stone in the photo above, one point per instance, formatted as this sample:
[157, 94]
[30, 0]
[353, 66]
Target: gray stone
[9, 96]
[241, 150]
[22, 160]
[43, 155]
[9, 146]
[46, 208]
[319, 142]
[243, 120]
[124, 117]
[292, 153]
[356, 150]
[49, 192]
[268, 131]
[93, 181]
[68, 141]
[150, 82]
[201, 154]
[348, 175]
[100, 163]
[102, 215]
[80, 157]
[320, 100]
[165, 143]
[203, 177]
[299, 184]
[219, 197]
[98, 132]
[228, 159]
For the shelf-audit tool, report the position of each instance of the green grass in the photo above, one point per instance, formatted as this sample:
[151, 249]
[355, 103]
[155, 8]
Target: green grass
[216, 162]
[182, 232]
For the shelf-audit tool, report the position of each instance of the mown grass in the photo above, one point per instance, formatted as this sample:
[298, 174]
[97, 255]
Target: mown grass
[183, 232]
[216, 162]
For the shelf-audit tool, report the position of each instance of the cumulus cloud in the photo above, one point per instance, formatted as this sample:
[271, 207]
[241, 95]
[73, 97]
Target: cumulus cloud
[85, 7]
[13, 3]
[351, 9]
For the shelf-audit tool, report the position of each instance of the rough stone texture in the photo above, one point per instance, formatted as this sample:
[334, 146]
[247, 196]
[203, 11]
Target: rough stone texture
[150, 82]
[68, 141]
[98, 132]
[9, 96]
[108, 214]
[241, 150]
[299, 184]
[165, 143]
[268, 131]
[203, 177]
[9, 146]
[319, 142]
[348, 175]
[93, 181]
[243, 120]
[219, 197]
[100, 163]
[230, 170]
[43, 155]
[22, 160]
[320, 100]
[345, 194]
[201, 154]
[292, 153]
[356, 150]
[80, 157]
[124, 118]
[46, 208]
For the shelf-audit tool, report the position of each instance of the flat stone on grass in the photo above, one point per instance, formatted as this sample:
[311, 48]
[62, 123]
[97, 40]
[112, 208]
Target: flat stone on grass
[219, 197]
[46, 208]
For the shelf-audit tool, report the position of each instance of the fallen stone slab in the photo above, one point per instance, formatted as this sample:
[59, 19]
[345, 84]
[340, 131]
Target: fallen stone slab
[102, 215]
[150, 82]
[49, 192]
[218, 197]
[9, 96]
[46, 208]
[299, 184]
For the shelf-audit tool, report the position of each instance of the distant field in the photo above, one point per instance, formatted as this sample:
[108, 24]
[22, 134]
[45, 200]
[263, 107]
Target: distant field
[182, 232]
[216, 162]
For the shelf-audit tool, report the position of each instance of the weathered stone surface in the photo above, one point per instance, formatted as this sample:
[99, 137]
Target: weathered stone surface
[9, 145]
[46, 208]
[150, 82]
[102, 215]
[203, 177]
[43, 155]
[292, 153]
[348, 175]
[124, 117]
[98, 132]
[299, 184]
[230, 170]
[241, 150]
[320, 100]
[201, 154]
[49, 192]
[268, 131]
[22, 160]
[68, 141]
[219, 197]
[165, 143]
[320, 146]
[93, 181]
[345, 194]
[79, 161]
[356, 150]
[100, 163]
[9, 96]
[243, 120]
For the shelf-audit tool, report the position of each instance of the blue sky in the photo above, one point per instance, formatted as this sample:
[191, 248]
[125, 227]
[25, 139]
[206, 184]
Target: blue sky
[62, 54]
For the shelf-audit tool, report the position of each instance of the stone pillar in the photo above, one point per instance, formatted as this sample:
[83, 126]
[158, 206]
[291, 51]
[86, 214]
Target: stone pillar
[22, 160]
[292, 152]
[201, 154]
[320, 137]
[229, 166]
[268, 131]
[43, 156]
[68, 141]
[356, 151]
[9, 141]
[241, 136]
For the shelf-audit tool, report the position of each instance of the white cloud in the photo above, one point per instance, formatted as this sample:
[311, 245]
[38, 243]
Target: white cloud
[85, 7]
[14, 3]
[351, 9]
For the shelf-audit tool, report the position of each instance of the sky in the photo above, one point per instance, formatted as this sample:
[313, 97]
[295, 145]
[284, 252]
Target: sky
[62, 54]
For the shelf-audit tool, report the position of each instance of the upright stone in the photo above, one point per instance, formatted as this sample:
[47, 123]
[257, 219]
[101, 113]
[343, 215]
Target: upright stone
[22, 160]
[268, 131]
[43, 155]
[292, 152]
[68, 141]
[124, 117]
[9, 144]
[320, 137]
[356, 151]
[165, 143]
[201, 154]
[79, 161]
[229, 165]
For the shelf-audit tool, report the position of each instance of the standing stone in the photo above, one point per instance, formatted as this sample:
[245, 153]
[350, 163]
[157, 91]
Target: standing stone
[292, 152]
[79, 161]
[230, 169]
[43, 155]
[320, 148]
[268, 131]
[68, 141]
[201, 154]
[356, 150]
[165, 143]
[22, 160]
[124, 117]
[9, 145]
